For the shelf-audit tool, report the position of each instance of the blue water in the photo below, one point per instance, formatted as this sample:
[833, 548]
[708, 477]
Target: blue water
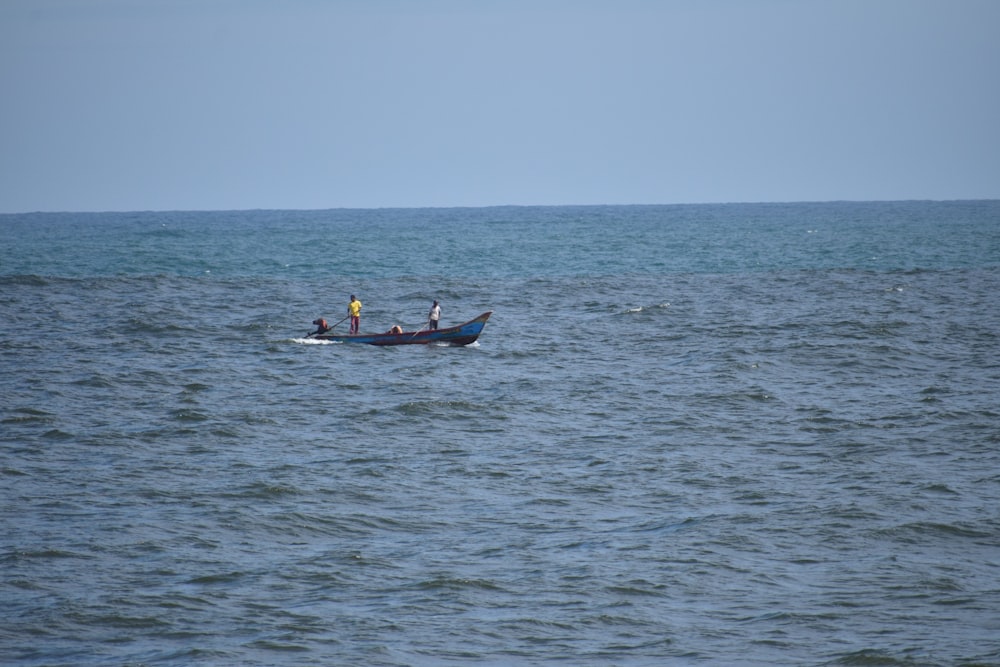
[712, 434]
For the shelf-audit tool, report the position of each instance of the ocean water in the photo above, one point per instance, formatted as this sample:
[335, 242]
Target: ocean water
[689, 435]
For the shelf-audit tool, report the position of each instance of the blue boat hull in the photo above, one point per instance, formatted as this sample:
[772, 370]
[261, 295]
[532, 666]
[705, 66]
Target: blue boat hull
[463, 334]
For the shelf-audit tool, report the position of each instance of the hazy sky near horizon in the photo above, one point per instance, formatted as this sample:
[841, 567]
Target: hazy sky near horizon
[307, 104]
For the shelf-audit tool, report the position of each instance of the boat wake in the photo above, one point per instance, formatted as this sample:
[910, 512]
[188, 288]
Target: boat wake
[639, 309]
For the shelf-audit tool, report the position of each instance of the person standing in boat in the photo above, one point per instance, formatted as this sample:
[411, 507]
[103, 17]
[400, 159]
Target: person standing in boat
[434, 316]
[354, 312]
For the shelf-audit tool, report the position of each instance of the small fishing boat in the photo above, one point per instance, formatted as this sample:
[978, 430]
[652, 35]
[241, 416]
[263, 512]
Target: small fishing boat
[463, 334]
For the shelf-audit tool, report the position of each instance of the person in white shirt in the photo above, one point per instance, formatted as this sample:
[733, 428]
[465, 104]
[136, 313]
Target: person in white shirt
[434, 316]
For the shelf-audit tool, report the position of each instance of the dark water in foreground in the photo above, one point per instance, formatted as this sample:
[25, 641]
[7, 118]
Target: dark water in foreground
[746, 434]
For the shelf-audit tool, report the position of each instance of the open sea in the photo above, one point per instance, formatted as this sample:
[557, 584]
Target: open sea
[746, 434]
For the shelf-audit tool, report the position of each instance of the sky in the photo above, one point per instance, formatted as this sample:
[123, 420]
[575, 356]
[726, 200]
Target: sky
[126, 105]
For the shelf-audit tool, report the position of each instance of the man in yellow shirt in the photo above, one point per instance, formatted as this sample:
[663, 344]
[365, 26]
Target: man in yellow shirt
[354, 312]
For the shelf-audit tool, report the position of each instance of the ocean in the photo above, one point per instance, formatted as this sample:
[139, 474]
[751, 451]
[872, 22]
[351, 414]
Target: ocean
[744, 434]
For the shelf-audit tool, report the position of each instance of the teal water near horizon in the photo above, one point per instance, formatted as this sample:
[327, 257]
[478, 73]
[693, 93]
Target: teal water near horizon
[753, 434]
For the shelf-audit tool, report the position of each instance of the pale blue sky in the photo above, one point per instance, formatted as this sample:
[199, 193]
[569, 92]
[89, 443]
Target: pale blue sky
[240, 104]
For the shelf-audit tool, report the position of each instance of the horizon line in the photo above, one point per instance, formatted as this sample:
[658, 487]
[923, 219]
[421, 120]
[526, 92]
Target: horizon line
[495, 206]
